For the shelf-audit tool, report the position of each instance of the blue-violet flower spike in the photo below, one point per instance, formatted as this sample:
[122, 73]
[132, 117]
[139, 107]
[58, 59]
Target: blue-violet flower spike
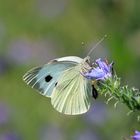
[136, 136]
[101, 72]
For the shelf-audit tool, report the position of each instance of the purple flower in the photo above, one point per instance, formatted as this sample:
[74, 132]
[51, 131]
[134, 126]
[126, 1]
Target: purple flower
[100, 114]
[9, 136]
[4, 65]
[4, 113]
[86, 134]
[101, 72]
[52, 132]
[136, 136]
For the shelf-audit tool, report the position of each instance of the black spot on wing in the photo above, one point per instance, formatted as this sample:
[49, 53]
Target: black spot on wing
[48, 78]
[94, 92]
[55, 84]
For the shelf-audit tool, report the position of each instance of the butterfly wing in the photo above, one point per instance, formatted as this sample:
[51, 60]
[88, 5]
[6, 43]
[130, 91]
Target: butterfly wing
[74, 59]
[72, 93]
[45, 78]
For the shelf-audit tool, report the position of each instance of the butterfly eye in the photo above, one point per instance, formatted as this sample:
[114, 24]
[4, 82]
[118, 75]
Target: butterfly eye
[48, 78]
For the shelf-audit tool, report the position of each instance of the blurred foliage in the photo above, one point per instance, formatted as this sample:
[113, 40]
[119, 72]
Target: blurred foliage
[59, 27]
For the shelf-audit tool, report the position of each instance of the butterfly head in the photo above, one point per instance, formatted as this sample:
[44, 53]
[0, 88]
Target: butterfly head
[86, 65]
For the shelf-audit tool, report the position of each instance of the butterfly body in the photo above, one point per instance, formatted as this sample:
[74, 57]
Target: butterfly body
[62, 80]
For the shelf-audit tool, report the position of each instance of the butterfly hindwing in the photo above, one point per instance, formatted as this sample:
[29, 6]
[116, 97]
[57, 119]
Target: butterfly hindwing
[45, 78]
[72, 93]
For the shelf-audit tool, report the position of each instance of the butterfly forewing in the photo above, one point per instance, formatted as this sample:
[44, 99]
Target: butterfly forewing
[73, 92]
[45, 78]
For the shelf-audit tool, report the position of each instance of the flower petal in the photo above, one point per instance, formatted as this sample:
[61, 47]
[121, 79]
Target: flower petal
[95, 73]
[103, 65]
[101, 72]
[136, 136]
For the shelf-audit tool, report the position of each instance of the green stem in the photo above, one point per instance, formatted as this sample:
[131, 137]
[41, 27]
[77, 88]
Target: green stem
[125, 95]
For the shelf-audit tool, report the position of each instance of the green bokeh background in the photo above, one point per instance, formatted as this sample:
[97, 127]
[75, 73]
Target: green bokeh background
[34, 32]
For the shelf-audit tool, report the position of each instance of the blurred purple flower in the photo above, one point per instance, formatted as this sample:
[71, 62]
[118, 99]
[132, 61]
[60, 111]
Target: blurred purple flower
[136, 136]
[4, 113]
[97, 114]
[101, 72]
[52, 132]
[4, 65]
[23, 51]
[20, 51]
[9, 136]
[87, 135]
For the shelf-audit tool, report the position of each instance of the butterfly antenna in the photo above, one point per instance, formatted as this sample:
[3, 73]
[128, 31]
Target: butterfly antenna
[96, 45]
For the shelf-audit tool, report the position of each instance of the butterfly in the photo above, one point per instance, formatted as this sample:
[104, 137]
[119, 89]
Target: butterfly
[62, 80]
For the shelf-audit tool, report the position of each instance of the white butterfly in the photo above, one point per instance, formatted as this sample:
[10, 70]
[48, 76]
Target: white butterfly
[62, 80]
